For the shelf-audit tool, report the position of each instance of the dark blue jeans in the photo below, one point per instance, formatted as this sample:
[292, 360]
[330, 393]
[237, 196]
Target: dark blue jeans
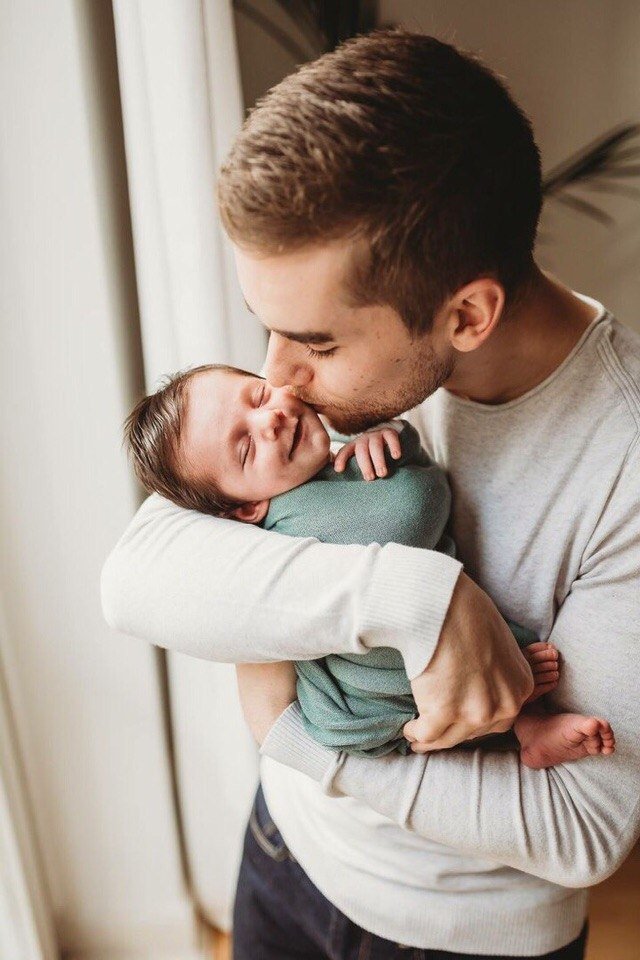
[280, 915]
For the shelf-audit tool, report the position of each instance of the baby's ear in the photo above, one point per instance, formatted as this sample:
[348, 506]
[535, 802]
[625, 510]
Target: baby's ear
[250, 512]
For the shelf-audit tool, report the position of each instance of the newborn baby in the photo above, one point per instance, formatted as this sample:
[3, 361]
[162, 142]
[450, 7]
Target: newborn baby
[225, 442]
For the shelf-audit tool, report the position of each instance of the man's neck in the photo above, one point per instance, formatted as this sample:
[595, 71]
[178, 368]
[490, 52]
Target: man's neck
[526, 346]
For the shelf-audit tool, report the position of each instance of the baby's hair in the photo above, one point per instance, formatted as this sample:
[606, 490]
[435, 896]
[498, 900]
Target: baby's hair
[152, 438]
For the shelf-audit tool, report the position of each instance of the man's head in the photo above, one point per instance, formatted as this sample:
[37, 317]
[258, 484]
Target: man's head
[399, 179]
[223, 441]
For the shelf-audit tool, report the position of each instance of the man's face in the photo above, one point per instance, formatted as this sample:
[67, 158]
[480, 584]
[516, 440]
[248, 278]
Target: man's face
[356, 365]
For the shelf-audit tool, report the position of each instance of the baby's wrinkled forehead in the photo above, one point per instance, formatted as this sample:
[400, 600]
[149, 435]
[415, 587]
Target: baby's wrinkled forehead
[220, 381]
[210, 392]
[221, 374]
[212, 404]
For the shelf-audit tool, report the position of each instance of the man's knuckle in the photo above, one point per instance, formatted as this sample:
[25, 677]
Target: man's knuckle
[506, 708]
[422, 726]
[511, 709]
[505, 719]
[478, 716]
[426, 730]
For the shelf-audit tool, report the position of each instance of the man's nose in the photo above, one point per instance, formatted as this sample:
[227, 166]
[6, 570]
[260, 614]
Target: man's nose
[281, 366]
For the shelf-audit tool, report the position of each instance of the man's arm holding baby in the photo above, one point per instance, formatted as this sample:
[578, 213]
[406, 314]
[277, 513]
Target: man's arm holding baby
[226, 591]
[572, 824]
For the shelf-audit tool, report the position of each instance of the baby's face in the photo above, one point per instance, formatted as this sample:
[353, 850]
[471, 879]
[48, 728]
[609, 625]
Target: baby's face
[254, 440]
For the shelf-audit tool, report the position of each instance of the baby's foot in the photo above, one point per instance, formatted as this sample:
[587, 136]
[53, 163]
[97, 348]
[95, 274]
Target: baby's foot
[544, 663]
[549, 739]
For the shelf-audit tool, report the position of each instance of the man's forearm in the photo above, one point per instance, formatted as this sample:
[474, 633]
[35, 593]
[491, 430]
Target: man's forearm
[226, 591]
[572, 824]
[564, 824]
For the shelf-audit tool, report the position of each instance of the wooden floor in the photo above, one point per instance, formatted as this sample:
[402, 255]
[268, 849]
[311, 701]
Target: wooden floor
[614, 918]
[221, 946]
[615, 914]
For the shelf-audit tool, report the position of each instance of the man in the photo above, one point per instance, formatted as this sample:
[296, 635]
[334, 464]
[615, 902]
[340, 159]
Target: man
[383, 205]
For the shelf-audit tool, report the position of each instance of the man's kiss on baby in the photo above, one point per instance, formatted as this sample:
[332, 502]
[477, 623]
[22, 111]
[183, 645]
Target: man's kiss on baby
[226, 442]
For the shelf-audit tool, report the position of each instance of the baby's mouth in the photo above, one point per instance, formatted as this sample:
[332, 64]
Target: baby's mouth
[297, 434]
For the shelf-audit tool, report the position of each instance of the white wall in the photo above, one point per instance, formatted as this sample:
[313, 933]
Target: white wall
[574, 67]
[264, 58]
[86, 702]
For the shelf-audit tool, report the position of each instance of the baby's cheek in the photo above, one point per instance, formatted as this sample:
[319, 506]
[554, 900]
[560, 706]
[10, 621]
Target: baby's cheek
[285, 478]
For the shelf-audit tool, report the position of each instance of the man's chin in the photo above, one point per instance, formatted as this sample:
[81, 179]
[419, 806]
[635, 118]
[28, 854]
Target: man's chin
[350, 422]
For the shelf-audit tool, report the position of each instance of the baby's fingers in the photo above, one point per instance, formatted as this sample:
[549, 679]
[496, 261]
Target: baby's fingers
[393, 442]
[376, 451]
[363, 458]
[343, 456]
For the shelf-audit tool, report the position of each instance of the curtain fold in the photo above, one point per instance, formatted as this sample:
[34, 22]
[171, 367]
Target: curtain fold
[182, 106]
[26, 919]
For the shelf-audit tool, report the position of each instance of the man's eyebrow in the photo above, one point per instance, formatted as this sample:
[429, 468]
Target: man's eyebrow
[310, 336]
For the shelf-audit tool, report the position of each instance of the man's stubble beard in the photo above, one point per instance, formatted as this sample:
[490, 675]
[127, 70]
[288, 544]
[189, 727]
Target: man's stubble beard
[425, 376]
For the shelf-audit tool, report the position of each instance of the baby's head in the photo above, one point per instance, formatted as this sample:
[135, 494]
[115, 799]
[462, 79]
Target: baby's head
[223, 441]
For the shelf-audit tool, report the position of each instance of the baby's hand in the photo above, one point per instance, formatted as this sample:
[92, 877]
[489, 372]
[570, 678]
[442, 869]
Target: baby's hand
[369, 452]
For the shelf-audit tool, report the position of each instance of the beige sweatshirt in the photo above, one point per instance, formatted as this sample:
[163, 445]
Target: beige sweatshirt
[464, 851]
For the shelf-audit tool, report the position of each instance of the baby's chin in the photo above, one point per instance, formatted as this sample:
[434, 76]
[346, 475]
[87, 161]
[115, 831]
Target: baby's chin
[299, 474]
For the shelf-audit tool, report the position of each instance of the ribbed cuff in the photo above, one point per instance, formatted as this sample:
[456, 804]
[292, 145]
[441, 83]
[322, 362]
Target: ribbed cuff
[407, 601]
[290, 744]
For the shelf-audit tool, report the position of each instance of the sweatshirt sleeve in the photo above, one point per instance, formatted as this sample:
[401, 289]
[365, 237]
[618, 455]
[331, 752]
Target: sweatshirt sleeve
[572, 824]
[227, 591]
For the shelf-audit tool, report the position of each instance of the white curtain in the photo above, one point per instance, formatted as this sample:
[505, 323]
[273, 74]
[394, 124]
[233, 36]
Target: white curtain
[182, 105]
[26, 922]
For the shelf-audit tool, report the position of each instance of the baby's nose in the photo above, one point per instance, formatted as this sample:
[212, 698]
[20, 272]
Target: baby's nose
[272, 421]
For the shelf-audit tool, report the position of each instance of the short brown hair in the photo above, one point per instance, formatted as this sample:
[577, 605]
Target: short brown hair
[405, 142]
[152, 438]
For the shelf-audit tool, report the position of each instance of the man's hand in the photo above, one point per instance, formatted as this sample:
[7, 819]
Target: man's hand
[369, 451]
[477, 679]
[266, 689]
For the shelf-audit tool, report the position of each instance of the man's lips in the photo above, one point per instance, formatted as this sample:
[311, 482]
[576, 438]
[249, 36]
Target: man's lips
[309, 402]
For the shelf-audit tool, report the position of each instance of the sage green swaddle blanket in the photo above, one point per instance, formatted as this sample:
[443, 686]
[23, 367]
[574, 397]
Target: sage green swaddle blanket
[360, 703]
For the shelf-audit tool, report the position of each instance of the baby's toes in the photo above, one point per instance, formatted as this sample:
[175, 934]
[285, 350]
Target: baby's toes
[608, 737]
[593, 746]
[545, 672]
[534, 647]
[590, 728]
[602, 741]
[540, 652]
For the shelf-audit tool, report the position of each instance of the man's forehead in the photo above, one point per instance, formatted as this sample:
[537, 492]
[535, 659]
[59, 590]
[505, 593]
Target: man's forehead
[302, 294]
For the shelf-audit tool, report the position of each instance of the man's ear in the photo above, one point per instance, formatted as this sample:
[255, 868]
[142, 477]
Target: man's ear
[250, 512]
[474, 312]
